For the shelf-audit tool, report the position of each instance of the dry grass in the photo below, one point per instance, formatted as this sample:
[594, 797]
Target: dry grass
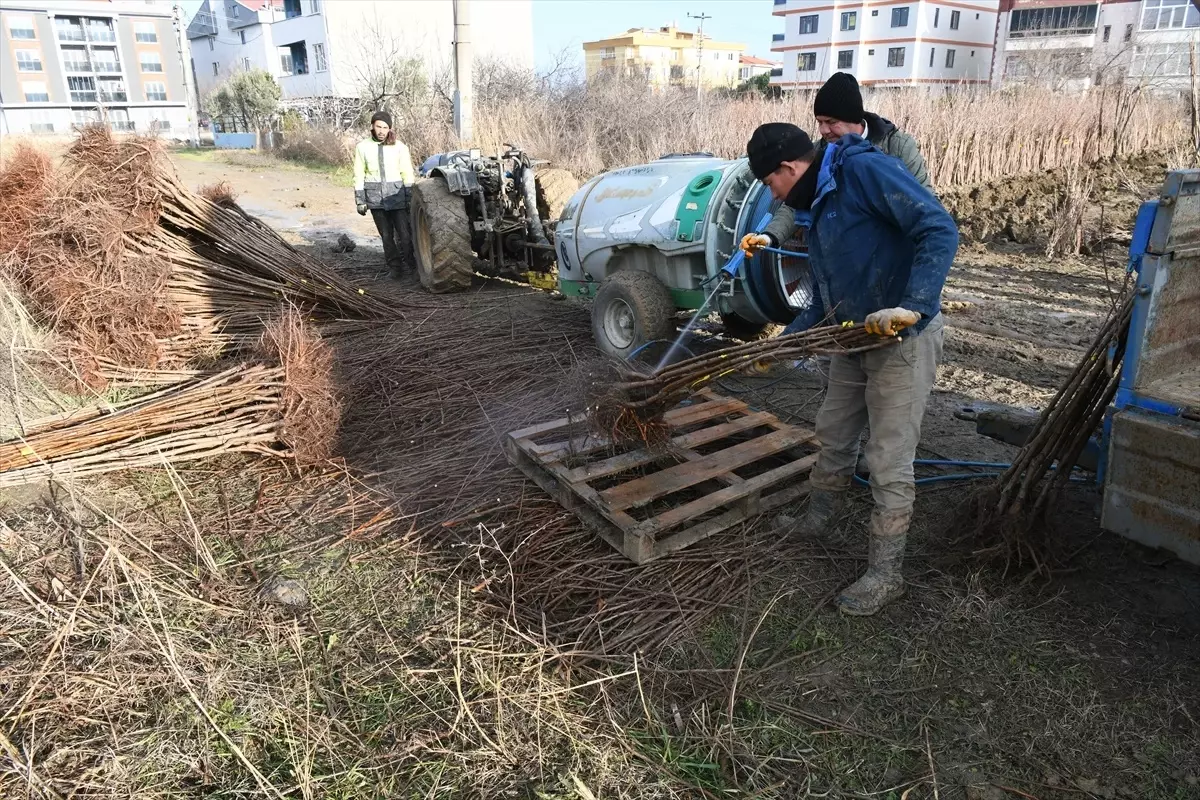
[968, 136]
[144, 656]
[312, 407]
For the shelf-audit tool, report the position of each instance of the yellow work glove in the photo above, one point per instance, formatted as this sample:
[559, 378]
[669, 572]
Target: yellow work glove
[753, 242]
[890, 321]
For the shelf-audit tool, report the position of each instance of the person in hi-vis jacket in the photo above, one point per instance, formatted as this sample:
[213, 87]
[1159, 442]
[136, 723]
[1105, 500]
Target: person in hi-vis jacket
[383, 179]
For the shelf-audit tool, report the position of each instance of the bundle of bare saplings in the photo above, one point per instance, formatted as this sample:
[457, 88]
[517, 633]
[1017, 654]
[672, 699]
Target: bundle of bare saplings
[629, 407]
[145, 283]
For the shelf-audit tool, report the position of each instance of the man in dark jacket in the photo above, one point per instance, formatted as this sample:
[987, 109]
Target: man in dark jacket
[880, 246]
[838, 108]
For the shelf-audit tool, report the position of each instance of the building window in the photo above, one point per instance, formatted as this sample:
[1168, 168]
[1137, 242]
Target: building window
[156, 90]
[849, 20]
[895, 56]
[950, 59]
[1160, 15]
[299, 58]
[845, 59]
[21, 28]
[246, 63]
[315, 6]
[875, 13]
[871, 52]
[608, 52]
[145, 32]
[150, 62]
[1056, 21]
[954, 18]
[41, 122]
[216, 69]
[75, 59]
[83, 90]
[236, 15]
[112, 90]
[70, 29]
[972, 54]
[118, 120]
[285, 63]
[211, 41]
[104, 59]
[1107, 32]
[937, 13]
[808, 23]
[29, 61]
[319, 57]
[900, 17]
[806, 62]
[101, 30]
[242, 35]
[35, 92]
[932, 53]
[1128, 33]
[291, 8]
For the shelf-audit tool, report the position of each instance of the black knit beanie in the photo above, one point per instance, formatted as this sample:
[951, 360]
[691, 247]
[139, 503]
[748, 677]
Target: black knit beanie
[382, 116]
[774, 143]
[840, 99]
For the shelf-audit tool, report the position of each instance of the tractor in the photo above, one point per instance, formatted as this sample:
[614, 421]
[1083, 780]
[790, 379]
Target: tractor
[491, 214]
[642, 243]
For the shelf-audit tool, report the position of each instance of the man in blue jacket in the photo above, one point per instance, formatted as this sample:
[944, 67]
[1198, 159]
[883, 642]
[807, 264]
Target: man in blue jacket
[880, 246]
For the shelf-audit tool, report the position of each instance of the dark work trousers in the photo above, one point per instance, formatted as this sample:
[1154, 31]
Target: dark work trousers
[396, 232]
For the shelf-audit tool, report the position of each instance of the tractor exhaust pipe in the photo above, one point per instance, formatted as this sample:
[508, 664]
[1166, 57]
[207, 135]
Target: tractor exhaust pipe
[537, 231]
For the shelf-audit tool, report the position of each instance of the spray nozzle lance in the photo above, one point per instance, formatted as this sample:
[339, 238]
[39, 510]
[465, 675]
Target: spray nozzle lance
[734, 265]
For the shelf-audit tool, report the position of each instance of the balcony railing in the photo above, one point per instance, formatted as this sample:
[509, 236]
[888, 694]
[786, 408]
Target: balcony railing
[95, 35]
[77, 66]
[1085, 31]
[71, 35]
[83, 97]
[106, 66]
[114, 97]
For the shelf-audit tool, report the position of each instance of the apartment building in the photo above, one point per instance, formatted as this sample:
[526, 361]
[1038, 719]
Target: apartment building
[325, 48]
[666, 56]
[752, 67]
[77, 62]
[885, 42]
[1074, 45]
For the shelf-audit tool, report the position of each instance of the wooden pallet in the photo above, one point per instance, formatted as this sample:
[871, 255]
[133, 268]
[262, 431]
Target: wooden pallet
[647, 504]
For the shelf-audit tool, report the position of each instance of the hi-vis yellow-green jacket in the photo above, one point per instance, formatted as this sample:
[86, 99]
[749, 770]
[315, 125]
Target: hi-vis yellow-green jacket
[382, 173]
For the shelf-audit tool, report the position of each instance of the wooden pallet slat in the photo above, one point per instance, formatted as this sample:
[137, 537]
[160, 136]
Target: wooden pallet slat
[641, 491]
[742, 437]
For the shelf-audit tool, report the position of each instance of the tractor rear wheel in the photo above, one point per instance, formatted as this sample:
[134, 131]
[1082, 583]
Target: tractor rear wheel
[555, 187]
[442, 237]
[631, 309]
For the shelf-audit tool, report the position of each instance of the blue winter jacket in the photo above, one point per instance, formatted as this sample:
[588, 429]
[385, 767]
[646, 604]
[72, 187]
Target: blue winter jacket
[877, 238]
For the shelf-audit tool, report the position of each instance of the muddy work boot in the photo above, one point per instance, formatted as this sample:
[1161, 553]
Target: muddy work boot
[826, 501]
[883, 581]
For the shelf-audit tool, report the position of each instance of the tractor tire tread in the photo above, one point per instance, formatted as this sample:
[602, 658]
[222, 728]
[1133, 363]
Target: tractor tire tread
[452, 259]
[555, 188]
[650, 300]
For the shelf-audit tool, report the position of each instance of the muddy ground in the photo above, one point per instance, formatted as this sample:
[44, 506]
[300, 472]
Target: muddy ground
[1081, 686]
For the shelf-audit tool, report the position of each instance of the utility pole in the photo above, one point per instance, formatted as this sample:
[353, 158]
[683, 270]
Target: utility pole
[463, 100]
[699, 54]
[193, 132]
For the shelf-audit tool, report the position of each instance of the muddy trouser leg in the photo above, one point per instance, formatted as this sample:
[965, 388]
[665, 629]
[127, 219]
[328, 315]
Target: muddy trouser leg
[385, 224]
[840, 422]
[898, 383]
[402, 225]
